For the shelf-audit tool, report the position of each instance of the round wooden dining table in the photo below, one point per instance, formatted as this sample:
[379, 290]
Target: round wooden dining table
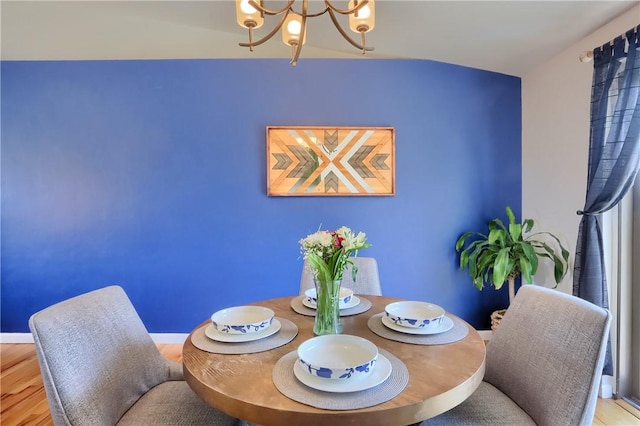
[440, 376]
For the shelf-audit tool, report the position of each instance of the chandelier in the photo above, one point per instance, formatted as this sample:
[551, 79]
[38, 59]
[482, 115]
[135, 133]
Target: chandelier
[250, 15]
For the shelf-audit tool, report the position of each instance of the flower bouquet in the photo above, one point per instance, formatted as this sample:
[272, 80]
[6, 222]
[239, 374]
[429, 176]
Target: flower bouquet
[328, 254]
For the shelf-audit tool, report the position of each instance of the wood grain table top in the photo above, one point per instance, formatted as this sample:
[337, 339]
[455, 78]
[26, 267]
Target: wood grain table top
[440, 376]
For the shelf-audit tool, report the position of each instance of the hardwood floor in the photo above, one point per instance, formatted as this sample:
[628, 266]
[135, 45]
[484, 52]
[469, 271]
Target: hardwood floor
[23, 401]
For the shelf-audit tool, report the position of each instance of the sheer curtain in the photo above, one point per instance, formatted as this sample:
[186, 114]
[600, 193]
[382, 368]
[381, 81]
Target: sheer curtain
[614, 158]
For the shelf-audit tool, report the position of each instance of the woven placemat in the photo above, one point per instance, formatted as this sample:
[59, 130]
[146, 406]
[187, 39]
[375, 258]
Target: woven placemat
[287, 383]
[288, 331]
[363, 306]
[458, 332]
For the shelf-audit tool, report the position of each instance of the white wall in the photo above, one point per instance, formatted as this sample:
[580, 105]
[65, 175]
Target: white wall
[555, 140]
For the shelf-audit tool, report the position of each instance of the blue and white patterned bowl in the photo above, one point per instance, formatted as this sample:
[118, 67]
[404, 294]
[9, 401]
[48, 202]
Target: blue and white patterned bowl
[338, 356]
[415, 314]
[242, 319]
[346, 294]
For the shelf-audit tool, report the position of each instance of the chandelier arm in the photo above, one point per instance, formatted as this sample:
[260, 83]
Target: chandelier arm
[345, 11]
[268, 36]
[314, 15]
[303, 30]
[346, 36]
[272, 12]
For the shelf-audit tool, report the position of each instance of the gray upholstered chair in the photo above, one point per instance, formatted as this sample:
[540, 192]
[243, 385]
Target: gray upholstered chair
[544, 364]
[100, 367]
[367, 279]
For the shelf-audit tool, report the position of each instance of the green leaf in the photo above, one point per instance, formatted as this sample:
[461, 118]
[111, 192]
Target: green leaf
[526, 270]
[320, 265]
[497, 235]
[559, 270]
[564, 252]
[528, 225]
[499, 224]
[487, 273]
[354, 271]
[486, 262]
[559, 267]
[501, 268]
[462, 239]
[531, 255]
[515, 230]
[464, 259]
[511, 216]
[478, 283]
[473, 263]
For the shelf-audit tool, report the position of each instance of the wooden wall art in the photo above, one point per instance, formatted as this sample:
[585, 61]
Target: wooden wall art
[330, 161]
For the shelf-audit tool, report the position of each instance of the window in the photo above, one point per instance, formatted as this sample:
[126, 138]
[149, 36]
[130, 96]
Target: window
[621, 238]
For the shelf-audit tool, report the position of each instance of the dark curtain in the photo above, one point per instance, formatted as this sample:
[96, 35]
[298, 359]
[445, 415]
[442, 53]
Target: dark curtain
[614, 158]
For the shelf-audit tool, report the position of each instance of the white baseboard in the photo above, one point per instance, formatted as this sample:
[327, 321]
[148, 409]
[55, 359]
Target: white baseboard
[157, 337]
[169, 337]
[16, 338]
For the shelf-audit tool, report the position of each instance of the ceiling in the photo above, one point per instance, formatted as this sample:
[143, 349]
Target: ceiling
[510, 37]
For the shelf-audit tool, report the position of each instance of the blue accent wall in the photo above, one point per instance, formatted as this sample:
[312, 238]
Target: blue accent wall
[151, 175]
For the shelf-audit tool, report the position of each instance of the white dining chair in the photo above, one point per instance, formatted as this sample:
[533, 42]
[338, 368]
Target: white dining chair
[367, 279]
[100, 367]
[543, 364]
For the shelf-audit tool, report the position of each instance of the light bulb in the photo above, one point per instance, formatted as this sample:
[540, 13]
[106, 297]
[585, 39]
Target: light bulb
[247, 15]
[294, 27]
[246, 7]
[364, 12]
[366, 19]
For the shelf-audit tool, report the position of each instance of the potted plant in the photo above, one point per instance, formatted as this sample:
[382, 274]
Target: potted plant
[506, 252]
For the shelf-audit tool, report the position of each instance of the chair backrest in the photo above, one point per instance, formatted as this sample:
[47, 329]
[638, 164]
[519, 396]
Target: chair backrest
[367, 280]
[96, 357]
[547, 355]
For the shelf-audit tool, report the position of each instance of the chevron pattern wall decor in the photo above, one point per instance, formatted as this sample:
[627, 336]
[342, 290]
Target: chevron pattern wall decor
[330, 161]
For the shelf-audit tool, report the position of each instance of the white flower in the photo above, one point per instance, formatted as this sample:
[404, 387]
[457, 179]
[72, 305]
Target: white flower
[317, 240]
[361, 239]
[330, 250]
[344, 232]
[318, 243]
[349, 242]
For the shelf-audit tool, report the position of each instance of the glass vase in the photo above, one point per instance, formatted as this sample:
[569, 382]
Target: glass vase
[327, 307]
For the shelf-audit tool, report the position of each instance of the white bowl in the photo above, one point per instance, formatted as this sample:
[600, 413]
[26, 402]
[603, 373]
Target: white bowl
[346, 294]
[242, 319]
[415, 314]
[338, 356]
